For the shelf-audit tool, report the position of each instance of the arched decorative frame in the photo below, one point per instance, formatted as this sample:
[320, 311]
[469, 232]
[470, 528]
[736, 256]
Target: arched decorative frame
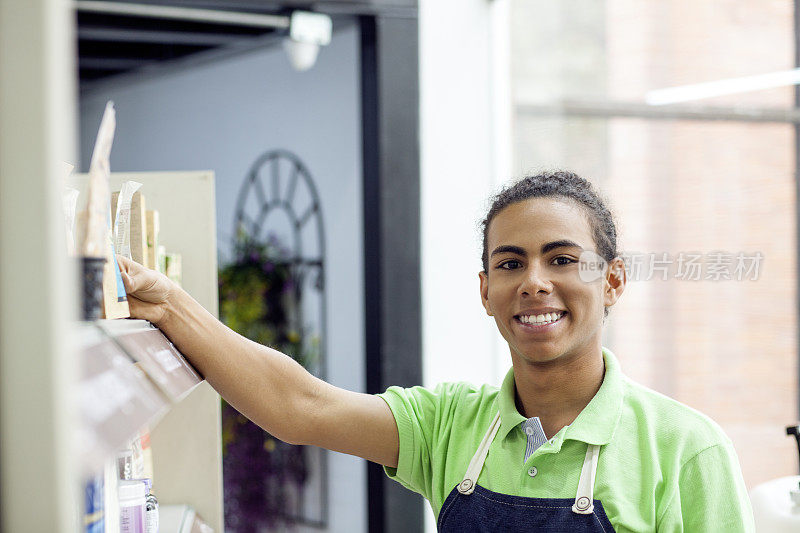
[280, 193]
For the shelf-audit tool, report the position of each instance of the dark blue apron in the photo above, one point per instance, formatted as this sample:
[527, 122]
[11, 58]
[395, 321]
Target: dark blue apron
[470, 507]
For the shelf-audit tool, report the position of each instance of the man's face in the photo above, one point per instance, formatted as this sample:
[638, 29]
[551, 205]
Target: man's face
[534, 249]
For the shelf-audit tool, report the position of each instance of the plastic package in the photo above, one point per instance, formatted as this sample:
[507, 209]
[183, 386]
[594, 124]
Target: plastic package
[122, 220]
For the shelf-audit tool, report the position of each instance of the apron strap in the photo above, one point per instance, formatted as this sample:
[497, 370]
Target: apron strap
[467, 485]
[584, 499]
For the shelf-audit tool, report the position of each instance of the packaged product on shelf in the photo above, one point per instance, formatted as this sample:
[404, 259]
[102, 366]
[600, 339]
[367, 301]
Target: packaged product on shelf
[138, 232]
[121, 208]
[137, 472]
[125, 464]
[96, 246]
[161, 257]
[115, 299]
[152, 239]
[131, 461]
[132, 506]
[93, 227]
[147, 455]
[97, 221]
[173, 269]
[93, 519]
[151, 509]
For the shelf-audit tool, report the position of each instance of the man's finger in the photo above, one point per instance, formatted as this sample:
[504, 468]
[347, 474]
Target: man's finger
[127, 281]
[125, 272]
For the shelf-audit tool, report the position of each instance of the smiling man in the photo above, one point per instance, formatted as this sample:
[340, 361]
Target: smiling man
[566, 444]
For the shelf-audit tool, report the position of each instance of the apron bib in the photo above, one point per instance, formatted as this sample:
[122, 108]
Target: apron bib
[470, 507]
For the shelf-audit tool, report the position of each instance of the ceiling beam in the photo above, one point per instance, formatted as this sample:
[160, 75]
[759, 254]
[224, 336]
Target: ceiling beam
[156, 36]
[211, 16]
[111, 63]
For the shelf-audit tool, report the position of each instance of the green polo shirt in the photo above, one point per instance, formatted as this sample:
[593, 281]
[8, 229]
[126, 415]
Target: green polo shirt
[662, 466]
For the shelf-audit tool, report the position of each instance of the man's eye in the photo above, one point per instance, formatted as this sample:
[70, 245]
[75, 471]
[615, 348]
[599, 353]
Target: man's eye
[566, 260]
[510, 265]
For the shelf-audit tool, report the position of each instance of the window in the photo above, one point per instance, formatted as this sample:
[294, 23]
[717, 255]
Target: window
[702, 177]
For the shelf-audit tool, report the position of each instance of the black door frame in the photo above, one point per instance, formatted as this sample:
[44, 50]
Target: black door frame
[391, 174]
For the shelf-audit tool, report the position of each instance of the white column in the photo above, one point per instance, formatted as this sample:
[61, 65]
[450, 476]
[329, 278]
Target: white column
[465, 153]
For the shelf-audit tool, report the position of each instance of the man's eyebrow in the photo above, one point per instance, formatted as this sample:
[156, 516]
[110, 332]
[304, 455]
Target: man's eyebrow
[563, 243]
[517, 250]
[509, 249]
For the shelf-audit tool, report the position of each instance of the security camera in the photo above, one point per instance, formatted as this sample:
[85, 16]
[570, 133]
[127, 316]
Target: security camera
[307, 33]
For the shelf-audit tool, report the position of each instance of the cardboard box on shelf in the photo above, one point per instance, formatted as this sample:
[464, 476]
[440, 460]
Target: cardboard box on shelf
[115, 299]
[153, 229]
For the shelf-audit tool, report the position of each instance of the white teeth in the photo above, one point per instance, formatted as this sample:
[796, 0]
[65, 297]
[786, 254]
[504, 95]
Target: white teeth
[541, 319]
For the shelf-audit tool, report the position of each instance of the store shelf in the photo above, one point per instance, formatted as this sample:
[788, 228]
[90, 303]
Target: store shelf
[158, 357]
[116, 398]
[186, 434]
[131, 375]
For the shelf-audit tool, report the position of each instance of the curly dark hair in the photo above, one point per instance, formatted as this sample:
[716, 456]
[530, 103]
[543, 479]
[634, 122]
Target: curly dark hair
[559, 184]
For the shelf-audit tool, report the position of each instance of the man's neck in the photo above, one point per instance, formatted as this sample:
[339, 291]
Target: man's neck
[558, 391]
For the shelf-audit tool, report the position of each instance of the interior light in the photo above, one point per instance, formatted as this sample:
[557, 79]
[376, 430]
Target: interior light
[698, 91]
[307, 33]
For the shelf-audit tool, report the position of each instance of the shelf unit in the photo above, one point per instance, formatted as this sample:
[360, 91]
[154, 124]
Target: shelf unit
[181, 409]
[40, 342]
[116, 397]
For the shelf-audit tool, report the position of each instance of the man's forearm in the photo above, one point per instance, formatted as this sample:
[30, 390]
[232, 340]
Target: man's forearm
[268, 387]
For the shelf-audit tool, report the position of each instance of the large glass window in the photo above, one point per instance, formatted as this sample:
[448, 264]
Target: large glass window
[701, 181]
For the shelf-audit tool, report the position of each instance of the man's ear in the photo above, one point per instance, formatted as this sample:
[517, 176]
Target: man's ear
[615, 281]
[484, 279]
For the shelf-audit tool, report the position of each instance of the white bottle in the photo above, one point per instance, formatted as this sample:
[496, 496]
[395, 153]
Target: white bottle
[132, 506]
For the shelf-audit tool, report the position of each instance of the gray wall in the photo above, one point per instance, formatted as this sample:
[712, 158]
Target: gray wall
[221, 115]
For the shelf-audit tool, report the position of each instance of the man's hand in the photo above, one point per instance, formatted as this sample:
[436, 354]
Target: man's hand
[148, 291]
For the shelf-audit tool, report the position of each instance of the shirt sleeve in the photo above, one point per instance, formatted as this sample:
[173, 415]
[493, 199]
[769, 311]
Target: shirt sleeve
[417, 412]
[711, 495]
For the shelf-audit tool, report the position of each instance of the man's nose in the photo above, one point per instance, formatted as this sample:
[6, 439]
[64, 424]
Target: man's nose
[535, 281]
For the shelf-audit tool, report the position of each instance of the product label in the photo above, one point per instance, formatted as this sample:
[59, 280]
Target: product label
[132, 519]
[166, 359]
[152, 521]
[122, 296]
[102, 395]
[122, 226]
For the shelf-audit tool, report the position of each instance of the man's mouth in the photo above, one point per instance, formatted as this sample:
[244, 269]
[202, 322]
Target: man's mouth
[540, 320]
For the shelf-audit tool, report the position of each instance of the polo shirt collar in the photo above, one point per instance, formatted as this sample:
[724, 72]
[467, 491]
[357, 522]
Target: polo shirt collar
[594, 425]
